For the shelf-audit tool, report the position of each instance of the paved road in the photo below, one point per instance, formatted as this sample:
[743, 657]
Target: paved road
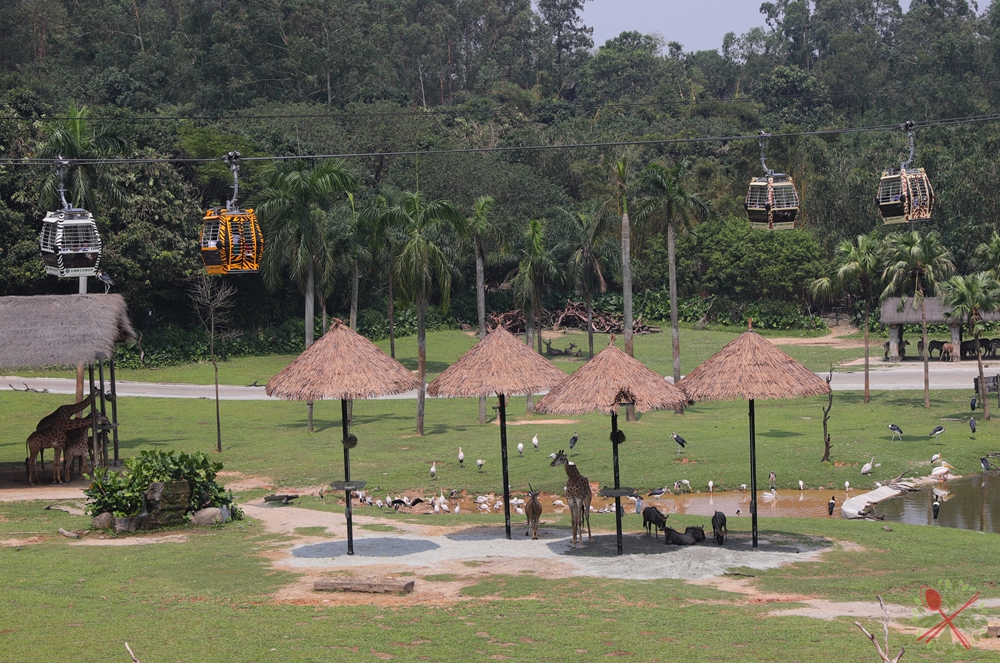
[883, 378]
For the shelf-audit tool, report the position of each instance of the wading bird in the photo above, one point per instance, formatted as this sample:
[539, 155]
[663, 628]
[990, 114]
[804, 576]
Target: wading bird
[801, 485]
[434, 470]
[534, 442]
[106, 280]
[711, 486]
[831, 504]
[681, 442]
[322, 492]
[985, 462]
[479, 463]
[772, 479]
[896, 431]
[972, 404]
[935, 458]
[936, 506]
[656, 492]
[867, 469]
[573, 440]
[461, 457]
[936, 433]
[520, 449]
[847, 486]
[972, 424]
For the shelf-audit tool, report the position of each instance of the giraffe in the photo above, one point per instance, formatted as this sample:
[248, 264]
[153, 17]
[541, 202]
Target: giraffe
[53, 437]
[577, 494]
[62, 412]
[79, 443]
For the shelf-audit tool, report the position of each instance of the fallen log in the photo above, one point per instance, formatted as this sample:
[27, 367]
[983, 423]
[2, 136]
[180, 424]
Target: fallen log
[284, 499]
[68, 534]
[368, 586]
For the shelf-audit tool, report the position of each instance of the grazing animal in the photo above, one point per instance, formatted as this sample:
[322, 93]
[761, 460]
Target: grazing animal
[936, 433]
[520, 449]
[80, 443]
[947, 352]
[479, 463]
[719, 527]
[573, 440]
[461, 457]
[654, 521]
[902, 349]
[533, 510]
[578, 494]
[534, 442]
[696, 531]
[931, 347]
[675, 538]
[52, 437]
[64, 412]
[867, 469]
[896, 430]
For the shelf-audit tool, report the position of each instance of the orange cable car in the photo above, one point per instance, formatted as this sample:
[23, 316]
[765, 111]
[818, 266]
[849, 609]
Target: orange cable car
[231, 240]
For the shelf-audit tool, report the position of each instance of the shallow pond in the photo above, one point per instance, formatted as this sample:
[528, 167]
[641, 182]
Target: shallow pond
[972, 502]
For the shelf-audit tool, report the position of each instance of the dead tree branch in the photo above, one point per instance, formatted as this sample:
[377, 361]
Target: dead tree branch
[885, 628]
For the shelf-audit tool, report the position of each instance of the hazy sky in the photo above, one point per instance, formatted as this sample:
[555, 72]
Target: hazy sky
[697, 24]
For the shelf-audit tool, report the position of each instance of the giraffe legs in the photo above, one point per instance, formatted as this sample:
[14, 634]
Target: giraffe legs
[586, 514]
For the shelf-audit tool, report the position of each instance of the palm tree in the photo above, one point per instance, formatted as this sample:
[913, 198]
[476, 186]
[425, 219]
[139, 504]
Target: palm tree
[292, 207]
[383, 240]
[988, 255]
[484, 235]
[671, 203]
[591, 230]
[536, 267]
[619, 170]
[916, 264]
[75, 139]
[859, 263]
[423, 261]
[970, 297]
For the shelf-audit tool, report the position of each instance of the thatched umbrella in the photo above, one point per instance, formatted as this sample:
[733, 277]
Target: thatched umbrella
[503, 366]
[752, 368]
[609, 380]
[343, 365]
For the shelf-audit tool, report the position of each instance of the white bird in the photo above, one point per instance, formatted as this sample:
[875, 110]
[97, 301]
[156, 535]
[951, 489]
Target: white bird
[322, 492]
[847, 486]
[769, 495]
[484, 507]
[437, 507]
[935, 458]
[801, 485]
[479, 463]
[519, 511]
[482, 499]
[498, 505]
[739, 512]
[558, 503]
[434, 469]
[878, 484]
[711, 486]
[520, 449]
[743, 487]
[461, 457]
[867, 469]
[457, 509]
[534, 442]
[943, 471]
[686, 483]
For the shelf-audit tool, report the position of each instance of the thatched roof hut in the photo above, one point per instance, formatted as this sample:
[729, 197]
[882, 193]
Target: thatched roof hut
[937, 313]
[61, 330]
[751, 368]
[342, 364]
[608, 380]
[498, 364]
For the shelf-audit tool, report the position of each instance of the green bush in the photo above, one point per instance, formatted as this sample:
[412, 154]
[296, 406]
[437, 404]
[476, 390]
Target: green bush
[121, 494]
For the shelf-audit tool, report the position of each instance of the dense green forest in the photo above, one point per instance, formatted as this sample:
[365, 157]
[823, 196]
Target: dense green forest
[198, 78]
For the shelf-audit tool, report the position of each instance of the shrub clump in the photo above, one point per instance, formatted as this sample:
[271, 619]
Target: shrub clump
[121, 493]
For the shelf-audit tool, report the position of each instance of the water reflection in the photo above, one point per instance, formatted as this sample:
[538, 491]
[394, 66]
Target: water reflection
[966, 503]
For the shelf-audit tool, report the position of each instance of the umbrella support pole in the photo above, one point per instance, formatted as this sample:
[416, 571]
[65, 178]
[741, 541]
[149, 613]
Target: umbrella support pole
[753, 477]
[618, 500]
[503, 458]
[347, 475]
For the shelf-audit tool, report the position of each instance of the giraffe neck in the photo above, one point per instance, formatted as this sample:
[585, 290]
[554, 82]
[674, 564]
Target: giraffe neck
[573, 474]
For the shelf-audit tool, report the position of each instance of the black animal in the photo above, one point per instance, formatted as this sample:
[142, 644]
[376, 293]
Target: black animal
[673, 537]
[654, 521]
[968, 349]
[719, 527]
[697, 531]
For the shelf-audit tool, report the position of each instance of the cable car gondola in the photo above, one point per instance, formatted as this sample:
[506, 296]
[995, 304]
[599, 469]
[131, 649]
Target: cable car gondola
[231, 239]
[772, 202]
[905, 194]
[69, 241]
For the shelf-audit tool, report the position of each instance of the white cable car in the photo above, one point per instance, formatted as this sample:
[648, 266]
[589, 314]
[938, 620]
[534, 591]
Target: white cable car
[69, 241]
[905, 194]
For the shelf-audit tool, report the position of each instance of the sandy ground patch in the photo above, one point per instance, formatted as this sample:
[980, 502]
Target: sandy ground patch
[17, 543]
[542, 422]
[239, 481]
[131, 540]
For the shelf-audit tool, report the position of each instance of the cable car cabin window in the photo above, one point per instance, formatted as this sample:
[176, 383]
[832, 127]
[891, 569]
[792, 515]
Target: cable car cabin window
[904, 196]
[785, 196]
[772, 203]
[231, 242]
[70, 243]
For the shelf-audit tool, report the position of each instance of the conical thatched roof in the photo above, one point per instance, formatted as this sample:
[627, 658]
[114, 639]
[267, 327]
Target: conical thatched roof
[751, 368]
[61, 330]
[342, 364]
[498, 364]
[607, 380]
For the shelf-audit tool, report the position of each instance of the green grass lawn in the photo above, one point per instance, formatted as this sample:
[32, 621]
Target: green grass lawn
[445, 347]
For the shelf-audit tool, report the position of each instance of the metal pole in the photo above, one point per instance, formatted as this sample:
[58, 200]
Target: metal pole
[618, 499]
[104, 433]
[93, 417]
[114, 406]
[346, 424]
[753, 477]
[503, 458]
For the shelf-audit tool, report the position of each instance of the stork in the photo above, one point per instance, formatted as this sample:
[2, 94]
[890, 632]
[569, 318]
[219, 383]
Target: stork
[106, 280]
[520, 449]
[681, 442]
[534, 442]
[772, 479]
[972, 424]
[434, 470]
[479, 463]
[936, 433]
[896, 431]
[831, 504]
[573, 440]
[461, 457]
[711, 486]
[801, 485]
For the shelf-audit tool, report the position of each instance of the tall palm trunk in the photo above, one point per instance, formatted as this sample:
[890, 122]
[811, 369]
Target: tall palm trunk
[355, 282]
[867, 395]
[627, 296]
[310, 316]
[529, 337]
[392, 323]
[675, 334]
[590, 323]
[538, 318]
[927, 373]
[481, 311]
[421, 359]
[982, 382]
[322, 304]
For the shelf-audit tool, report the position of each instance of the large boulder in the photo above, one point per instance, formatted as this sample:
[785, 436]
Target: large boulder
[102, 521]
[165, 504]
[208, 517]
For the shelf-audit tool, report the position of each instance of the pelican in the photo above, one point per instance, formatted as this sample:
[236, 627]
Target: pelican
[681, 442]
[520, 449]
[867, 469]
[743, 487]
[482, 499]
[941, 473]
[461, 457]
[559, 504]
[458, 508]
[485, 508]
[534, 442]
[896, 430]
[519, 511]
[769, 495]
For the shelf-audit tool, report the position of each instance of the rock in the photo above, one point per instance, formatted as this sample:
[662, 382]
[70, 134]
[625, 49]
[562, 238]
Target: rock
[123, 525]
[207, 517]
[102, 521]
[165, 504]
